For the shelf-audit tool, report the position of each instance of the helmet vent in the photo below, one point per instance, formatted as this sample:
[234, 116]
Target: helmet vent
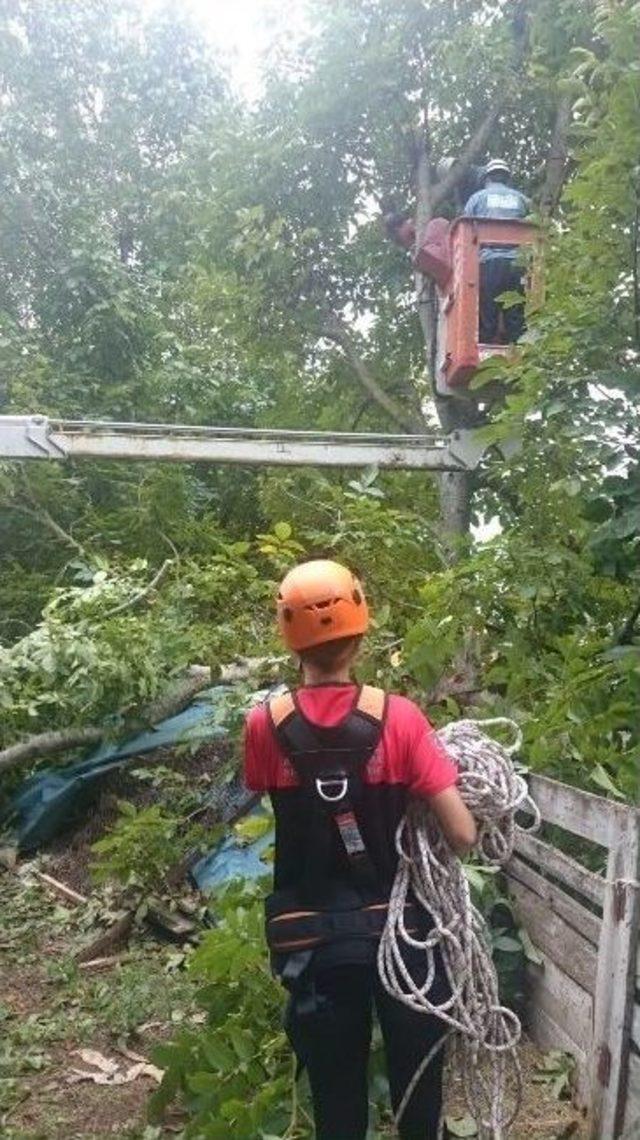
[326, 621]
[287, 613]
[357, 597]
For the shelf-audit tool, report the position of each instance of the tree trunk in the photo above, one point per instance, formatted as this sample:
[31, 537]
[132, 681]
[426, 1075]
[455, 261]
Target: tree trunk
[454, 413]
[456, 490]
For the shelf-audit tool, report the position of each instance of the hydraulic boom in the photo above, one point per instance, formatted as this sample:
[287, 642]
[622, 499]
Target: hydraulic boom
[38, 437]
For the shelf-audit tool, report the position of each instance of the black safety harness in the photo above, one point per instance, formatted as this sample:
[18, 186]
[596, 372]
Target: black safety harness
[329, 762]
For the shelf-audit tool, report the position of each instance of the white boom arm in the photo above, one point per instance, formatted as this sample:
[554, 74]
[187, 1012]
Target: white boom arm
[37, 437]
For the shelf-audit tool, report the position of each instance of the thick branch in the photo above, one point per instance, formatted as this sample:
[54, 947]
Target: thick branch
[45, 743]
[557, 158]
[475, 146]
[335, 330]
[172, 701]
[142, 594]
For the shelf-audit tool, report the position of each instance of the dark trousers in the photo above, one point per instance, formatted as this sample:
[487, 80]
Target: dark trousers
[332, 1039]
[500, 275]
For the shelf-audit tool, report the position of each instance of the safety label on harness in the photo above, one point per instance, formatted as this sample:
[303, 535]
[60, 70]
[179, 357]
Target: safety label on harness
[350, 833]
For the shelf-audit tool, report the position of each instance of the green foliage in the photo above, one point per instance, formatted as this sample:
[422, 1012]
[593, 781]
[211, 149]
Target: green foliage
[142, 848]
[87, 658]
[235, 1073]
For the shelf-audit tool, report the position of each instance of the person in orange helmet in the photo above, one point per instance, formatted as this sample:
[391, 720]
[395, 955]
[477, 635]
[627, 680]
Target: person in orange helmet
[340, 762]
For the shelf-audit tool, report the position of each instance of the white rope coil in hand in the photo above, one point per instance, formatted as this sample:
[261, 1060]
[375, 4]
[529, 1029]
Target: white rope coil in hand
[485, 1033]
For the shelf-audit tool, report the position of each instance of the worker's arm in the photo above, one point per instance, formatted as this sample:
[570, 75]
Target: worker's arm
[455, 819]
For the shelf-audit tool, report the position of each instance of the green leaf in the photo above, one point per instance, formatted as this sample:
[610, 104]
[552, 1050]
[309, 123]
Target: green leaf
[283, 531]
[531, 951]
[253, 827]
[509, 945]
[599, 776]
[219, 1054]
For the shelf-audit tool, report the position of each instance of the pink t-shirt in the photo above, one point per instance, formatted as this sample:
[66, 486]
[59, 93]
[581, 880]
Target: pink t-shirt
[409, 752]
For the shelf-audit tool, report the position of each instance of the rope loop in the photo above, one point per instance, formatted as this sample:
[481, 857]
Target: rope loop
[483, 1033]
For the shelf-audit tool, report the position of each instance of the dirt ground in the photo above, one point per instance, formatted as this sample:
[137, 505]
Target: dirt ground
[50, 1010]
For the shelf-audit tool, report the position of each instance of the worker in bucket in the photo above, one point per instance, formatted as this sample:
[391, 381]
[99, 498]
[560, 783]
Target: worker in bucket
[340, 762]
[500, 268]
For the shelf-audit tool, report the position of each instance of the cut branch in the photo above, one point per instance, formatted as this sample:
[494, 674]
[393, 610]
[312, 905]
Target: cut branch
[336, 331]
[142, 594]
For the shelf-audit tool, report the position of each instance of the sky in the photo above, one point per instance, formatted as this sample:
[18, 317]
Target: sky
[242, 30]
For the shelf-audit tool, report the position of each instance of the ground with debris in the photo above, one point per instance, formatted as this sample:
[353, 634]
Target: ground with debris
[75, 1043]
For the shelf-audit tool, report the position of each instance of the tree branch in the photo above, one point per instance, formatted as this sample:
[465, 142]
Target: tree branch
[557, 158]
[60, 740]
[335, 330]
[42, 515]
[175, 698]
[153, 585]
[476, 144]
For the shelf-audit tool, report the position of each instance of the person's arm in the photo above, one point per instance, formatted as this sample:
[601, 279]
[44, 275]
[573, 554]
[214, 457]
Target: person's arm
[257, 739]
[455, 819]
[432, 776]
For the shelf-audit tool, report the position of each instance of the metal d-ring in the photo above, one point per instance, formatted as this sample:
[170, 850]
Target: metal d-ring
[341, 782]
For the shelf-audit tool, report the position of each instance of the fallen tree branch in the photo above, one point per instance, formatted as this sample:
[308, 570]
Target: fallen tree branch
[169, 703]
[61, 888]
[116, 935]
[142, 594]
[44, 743]
[102, 963]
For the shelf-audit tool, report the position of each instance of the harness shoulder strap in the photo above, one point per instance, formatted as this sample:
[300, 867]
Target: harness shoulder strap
[372, 702]
[281, 708]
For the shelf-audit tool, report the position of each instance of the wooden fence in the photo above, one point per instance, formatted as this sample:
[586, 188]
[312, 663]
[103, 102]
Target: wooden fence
[585, 996]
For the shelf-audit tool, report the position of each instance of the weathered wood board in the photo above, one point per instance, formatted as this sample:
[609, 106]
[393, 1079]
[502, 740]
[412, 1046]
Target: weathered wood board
[585, 998]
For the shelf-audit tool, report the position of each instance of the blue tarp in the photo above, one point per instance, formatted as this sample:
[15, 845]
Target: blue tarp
[233, 859]
[53, 798]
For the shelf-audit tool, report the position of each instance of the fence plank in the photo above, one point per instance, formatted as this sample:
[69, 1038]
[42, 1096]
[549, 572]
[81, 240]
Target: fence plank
[573, 912]
[635, 1026]
[547, 1034]
[581, 813]
[564, 945]
[632, 1114]
[562, 999]
[615, 985]
[561, 866]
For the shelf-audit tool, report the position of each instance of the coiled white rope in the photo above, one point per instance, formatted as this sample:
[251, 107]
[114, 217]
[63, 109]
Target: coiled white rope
[483, 1032]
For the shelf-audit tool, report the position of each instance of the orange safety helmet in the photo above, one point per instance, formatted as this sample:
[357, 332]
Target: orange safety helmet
[320, 601]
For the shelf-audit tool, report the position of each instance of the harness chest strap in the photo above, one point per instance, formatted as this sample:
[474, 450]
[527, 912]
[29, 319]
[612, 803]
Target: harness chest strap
[332, 785]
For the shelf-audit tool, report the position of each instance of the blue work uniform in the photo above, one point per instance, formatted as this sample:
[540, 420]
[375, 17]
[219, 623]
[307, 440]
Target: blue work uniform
[499, 268]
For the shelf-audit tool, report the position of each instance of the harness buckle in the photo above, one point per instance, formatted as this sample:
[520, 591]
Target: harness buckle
[339, 784]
